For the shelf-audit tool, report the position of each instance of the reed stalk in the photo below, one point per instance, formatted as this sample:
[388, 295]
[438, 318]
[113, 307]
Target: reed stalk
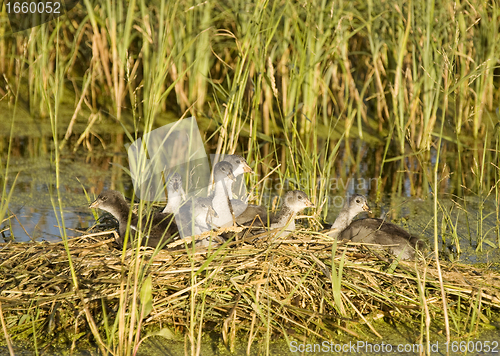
[436, 244]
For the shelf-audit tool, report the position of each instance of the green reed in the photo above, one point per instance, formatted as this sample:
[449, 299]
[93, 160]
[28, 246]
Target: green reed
[4, 173]
[302, 75]
[51, 90]
[314, 67]
[124, 333]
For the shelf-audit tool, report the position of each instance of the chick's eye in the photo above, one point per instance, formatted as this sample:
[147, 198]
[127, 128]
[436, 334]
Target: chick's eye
[300, 197]
[238, 161]
[358, 201]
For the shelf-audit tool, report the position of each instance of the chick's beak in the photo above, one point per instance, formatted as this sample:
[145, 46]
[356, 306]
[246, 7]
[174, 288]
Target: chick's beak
[231, 176]
[212, 212]
[95, 204]
[367, 208]
[247, 169]
[309, 204]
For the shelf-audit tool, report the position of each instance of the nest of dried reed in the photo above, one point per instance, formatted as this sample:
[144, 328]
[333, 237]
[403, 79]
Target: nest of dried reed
[303, 286]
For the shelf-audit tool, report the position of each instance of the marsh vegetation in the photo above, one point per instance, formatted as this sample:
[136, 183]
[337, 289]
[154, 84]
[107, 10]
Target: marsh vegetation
[389, 99]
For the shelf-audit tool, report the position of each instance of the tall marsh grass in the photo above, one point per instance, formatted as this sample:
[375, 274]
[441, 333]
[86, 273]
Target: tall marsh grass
[280, 81]
[374, 65]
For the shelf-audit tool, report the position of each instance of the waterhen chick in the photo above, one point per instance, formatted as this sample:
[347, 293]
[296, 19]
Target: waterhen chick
[176, 194]
[243, 212]
[221, 201]
[353, 206]
[239, 166]
[195, 217]
[373, 231]
[191, 214]
[293, 203]
[156, 229]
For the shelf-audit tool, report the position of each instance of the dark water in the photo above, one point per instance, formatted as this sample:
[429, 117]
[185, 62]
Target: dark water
[35, 203]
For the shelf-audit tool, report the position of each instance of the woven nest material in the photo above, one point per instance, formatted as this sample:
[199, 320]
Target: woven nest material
[289, 286]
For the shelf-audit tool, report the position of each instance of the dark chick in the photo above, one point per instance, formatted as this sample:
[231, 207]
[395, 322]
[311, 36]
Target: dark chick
[156, 229]
[373, 231]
